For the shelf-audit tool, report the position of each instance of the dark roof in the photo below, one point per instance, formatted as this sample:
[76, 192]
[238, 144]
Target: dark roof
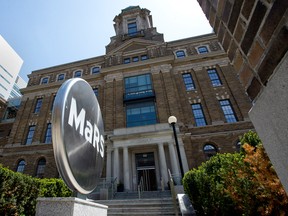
[130, 8]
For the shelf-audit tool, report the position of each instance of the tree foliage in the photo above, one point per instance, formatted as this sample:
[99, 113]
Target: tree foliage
[251, 138]
[18, 192]
[239, 184]
[53, 188]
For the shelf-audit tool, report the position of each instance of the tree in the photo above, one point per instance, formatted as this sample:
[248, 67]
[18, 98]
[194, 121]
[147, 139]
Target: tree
[240, 184]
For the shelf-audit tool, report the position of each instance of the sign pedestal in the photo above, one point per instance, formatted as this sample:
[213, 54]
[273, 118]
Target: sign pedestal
[78, 145]
[68, 206]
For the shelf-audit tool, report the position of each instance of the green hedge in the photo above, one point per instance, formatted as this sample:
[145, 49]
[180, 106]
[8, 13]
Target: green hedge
[18, 192]
[237, 184]
[206, 186]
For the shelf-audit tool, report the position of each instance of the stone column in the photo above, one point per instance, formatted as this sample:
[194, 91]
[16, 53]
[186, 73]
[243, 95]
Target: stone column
[126, 168]
[173, 159]
[163, 165]
[183, 156]
[108, 164]
[116, 164]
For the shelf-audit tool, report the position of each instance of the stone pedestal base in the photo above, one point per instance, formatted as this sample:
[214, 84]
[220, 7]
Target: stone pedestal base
[179, 189]
[68, 206]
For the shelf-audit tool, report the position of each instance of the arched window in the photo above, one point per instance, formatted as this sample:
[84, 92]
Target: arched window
[202, 49]
[60, 77]
[21, 166]
[209, 151]
[40, 168]
[238, 145]
[78, 73]
[95, 70]
[44, 80]
[180, 54]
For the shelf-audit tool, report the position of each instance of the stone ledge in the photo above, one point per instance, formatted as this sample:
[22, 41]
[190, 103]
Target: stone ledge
[69, 206]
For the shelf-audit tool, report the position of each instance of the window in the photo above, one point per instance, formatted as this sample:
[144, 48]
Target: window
[95, 70]
[44, 80]
[95, 90]
[180, 54]
[144, 57]
[198, 115]
[78, 73]
[203, 49]
[138, 87]
[126, 60]
[48, 134]
[188, 81]
[138, 83]
[21, 166]
[40, 168]
[135, 59]
[209, 151]
[38, 105]
[139, 114]
[228, 111]
[238, 146]
[10, 112]
[213, 75]
[60, 77]
[132, 29]
[30, 135]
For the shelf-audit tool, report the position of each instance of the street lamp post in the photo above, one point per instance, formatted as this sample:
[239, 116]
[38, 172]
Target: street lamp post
[172, 120]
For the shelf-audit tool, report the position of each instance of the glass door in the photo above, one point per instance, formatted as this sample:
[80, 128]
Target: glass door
[146, 173]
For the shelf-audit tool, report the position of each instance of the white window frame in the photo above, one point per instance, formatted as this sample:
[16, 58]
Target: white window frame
[77, 71]
[59, 75]
[175, 53]
[42, 80]
[91, 69]
[204, 45]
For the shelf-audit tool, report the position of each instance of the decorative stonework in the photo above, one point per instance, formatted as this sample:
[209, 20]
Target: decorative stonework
[163, 68]
[114, 76]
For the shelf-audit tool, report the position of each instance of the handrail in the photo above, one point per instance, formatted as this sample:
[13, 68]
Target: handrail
[107, 183]
[173, 193]
[114, 187]
[140, 187]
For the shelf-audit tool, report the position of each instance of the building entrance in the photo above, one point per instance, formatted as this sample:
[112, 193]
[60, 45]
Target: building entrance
[146, 173]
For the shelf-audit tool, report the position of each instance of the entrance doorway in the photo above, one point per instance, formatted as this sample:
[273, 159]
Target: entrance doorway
[145, 166]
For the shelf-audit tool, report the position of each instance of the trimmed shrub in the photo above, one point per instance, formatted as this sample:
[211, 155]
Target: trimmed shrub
[237, 184]
[18, 192]
[53, 188]
[206, 186]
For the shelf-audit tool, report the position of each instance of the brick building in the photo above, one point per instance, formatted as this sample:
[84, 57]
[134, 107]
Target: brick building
[254, 33]
[139, 83]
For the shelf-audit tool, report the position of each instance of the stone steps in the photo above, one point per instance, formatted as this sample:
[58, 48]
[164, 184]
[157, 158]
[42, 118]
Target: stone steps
[158, 203]
[144, 195]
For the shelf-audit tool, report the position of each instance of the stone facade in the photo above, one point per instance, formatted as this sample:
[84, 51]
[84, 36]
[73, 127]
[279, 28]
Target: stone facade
[254, 33]
[165, 64]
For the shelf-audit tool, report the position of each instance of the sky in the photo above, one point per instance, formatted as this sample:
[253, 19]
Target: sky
[55, 32]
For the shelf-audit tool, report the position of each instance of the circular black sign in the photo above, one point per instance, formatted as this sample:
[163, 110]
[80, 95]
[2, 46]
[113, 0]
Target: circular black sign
[77, 134]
